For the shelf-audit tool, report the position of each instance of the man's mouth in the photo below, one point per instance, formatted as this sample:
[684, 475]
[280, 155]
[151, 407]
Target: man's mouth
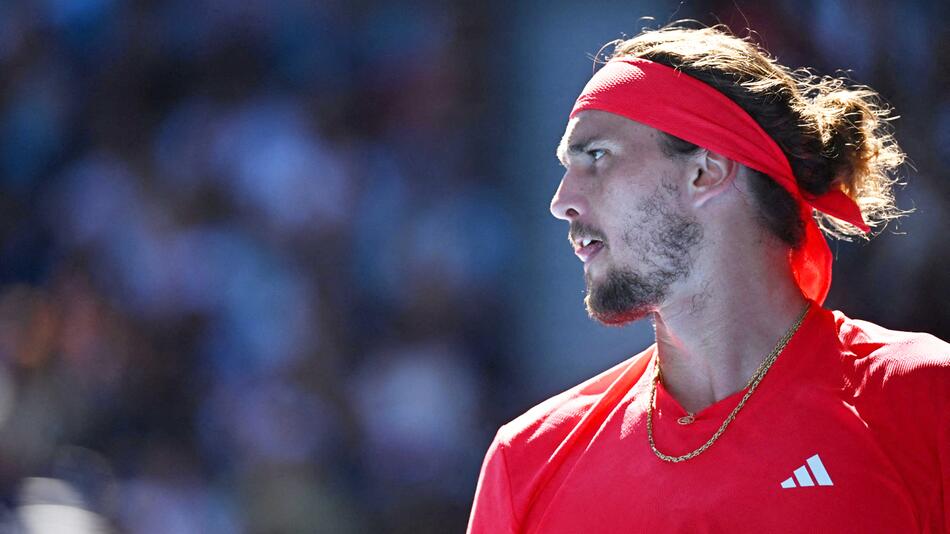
[587, 248]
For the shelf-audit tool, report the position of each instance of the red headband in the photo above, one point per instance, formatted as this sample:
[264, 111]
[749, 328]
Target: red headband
[680, 105]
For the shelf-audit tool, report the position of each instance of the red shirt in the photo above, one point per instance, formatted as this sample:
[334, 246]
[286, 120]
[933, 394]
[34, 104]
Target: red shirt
[848, 432]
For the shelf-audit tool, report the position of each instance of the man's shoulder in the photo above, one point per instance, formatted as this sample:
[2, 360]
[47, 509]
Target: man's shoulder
[547, 424]
[894, 361]
[894, 350]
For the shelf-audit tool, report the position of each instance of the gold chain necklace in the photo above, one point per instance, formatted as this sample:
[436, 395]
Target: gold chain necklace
[757, 377]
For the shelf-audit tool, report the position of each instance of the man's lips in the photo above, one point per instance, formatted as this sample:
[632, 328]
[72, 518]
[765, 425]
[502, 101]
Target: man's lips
[587, 253]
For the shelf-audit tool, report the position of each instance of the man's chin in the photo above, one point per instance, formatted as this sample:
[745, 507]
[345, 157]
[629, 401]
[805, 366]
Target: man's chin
[616, 317]
[620, 298]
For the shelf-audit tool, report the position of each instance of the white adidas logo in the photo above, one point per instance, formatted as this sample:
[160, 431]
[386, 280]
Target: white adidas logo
[804, 479]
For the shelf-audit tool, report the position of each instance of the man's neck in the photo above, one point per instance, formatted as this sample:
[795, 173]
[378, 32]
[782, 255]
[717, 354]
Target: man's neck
[713, 337]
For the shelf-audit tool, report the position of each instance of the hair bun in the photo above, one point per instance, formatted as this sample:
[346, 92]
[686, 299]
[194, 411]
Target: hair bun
[857, 148]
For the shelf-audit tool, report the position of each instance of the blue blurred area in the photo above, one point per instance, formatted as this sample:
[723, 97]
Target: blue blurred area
[286, 266]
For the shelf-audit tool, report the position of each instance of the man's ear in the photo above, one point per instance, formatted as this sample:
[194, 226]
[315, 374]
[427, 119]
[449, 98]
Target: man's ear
[712, 174]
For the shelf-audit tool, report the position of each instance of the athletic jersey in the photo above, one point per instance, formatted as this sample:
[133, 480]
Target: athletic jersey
[848, 432]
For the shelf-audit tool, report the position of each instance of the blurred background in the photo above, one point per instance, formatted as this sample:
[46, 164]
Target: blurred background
[285, 266]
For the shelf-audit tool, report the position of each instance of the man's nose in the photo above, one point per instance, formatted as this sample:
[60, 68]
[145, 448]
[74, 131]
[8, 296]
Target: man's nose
[568, 202]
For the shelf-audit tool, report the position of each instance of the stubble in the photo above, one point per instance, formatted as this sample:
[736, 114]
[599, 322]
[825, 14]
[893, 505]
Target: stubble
[665, 241]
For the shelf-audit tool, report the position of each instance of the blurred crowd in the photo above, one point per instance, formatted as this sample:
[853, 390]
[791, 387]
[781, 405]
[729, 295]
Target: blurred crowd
[247, 264]
[254, 261]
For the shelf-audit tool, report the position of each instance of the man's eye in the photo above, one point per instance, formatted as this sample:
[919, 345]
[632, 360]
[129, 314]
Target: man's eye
[596, 153]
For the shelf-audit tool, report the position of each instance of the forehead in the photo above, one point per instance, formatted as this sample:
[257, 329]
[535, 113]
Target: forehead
[595, 125]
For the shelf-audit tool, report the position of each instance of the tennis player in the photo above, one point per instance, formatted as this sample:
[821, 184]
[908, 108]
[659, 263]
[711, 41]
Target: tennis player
[701, 179]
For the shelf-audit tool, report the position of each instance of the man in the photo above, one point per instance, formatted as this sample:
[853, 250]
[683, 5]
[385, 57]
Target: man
[695, 169]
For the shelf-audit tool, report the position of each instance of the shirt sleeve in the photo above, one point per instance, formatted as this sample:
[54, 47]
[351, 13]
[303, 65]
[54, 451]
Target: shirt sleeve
[943, 444]
[492, 510]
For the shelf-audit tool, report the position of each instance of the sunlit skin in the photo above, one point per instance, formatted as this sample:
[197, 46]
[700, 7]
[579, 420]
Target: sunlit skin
[716, 284]
[618, 165]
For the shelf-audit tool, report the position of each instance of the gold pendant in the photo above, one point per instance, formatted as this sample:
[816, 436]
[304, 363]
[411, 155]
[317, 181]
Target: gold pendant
[686, 419]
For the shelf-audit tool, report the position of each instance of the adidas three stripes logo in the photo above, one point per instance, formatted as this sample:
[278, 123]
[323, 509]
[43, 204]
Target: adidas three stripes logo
[804, 479]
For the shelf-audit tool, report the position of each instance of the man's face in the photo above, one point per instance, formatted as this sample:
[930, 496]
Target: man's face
[621, 194]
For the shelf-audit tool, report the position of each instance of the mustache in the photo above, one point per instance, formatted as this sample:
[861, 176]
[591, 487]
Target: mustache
[580, 230]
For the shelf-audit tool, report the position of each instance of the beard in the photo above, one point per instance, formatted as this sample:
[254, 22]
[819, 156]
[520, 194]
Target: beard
[665, 251]
[625, 296]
